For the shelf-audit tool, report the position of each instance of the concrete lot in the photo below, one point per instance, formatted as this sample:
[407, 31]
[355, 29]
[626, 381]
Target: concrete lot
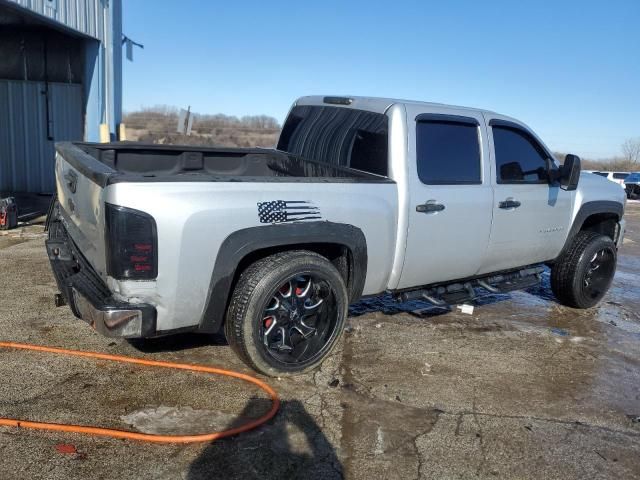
[522, 388]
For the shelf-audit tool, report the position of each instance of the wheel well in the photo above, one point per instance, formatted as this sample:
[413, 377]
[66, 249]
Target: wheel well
[603, 223]
[339, 255]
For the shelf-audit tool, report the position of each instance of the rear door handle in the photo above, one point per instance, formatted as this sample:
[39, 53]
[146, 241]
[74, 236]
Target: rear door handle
[429, 207]
[509, 203]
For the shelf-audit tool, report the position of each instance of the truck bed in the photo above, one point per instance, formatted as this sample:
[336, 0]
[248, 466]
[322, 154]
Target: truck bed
[198, 198]
[108, 163]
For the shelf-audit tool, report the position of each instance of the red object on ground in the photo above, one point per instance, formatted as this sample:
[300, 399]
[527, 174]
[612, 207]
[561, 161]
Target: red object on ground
[66, 448]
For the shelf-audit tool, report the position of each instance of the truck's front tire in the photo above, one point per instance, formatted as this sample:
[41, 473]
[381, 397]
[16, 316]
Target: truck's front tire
[582, 276]
[287, 312]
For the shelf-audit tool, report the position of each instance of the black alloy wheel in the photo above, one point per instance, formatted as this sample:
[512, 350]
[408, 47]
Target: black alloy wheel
[581, 277]
[599, 272]
[287, 312]
[299, 319]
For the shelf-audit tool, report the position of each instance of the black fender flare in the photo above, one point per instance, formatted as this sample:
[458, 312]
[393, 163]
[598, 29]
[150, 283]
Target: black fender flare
[248, 240]
[588, 209]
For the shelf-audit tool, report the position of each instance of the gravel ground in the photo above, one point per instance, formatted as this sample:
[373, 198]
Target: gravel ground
[521, 388]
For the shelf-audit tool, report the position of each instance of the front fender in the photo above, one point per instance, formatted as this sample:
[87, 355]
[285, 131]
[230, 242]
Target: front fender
[594, 208]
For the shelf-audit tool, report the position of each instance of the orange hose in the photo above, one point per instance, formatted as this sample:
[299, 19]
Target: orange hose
[145, 437]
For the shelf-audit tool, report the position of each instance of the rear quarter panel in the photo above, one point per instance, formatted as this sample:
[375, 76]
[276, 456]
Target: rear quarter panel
[193, 219]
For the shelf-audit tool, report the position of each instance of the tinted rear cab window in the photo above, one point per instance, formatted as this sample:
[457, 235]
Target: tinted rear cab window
[338, 136]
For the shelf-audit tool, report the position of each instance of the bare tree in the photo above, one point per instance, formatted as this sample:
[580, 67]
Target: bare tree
[631, 150]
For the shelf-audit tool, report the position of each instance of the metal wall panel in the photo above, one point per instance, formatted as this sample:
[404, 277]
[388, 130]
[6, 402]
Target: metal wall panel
[85, 16]
[26, 152]
[98, 24]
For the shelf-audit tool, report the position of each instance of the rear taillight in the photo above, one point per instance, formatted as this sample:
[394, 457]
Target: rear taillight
[132, 244]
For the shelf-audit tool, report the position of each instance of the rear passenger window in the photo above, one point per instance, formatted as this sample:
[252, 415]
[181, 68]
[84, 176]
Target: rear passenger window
[448, 152]
[620, 176]
[519, 158]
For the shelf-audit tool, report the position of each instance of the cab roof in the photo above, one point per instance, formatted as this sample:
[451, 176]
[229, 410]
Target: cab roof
[376, 104]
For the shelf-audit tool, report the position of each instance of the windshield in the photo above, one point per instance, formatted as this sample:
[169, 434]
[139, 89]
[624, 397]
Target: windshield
[339, 136]
[634, 177]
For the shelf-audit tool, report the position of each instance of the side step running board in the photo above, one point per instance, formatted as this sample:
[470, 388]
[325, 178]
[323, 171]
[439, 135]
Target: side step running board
[510, 286]
[455, 293]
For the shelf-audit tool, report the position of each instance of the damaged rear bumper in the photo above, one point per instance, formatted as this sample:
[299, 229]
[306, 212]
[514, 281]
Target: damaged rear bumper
[88, 296]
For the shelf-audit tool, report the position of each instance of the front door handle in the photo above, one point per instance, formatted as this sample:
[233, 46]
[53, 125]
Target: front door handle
[509, 203]
[429, 207]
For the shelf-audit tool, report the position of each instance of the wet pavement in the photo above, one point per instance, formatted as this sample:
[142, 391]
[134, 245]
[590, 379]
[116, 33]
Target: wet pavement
[521, 388]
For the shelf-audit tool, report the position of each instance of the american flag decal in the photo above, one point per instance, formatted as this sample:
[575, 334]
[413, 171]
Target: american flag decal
[280, 211]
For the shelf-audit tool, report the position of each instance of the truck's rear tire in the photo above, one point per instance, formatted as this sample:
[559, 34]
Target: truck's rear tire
[287, 312]
[582, 276]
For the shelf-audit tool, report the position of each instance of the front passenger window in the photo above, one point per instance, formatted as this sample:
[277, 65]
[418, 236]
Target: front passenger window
[519, 159]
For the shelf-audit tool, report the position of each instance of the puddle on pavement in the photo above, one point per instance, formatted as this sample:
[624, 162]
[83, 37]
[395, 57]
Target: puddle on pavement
[580, 356]
[628, 262]
[526, 308]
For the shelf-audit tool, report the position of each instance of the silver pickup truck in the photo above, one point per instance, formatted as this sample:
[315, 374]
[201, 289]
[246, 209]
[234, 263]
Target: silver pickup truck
[361, 196]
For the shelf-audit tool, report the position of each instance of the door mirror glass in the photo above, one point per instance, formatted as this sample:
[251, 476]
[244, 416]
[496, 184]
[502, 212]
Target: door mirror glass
[570, 172]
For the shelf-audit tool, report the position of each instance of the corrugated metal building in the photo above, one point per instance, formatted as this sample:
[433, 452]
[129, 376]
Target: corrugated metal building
[60, 79]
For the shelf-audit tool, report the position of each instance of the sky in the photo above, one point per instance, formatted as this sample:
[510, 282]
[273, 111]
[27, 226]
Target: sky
[568, 69]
